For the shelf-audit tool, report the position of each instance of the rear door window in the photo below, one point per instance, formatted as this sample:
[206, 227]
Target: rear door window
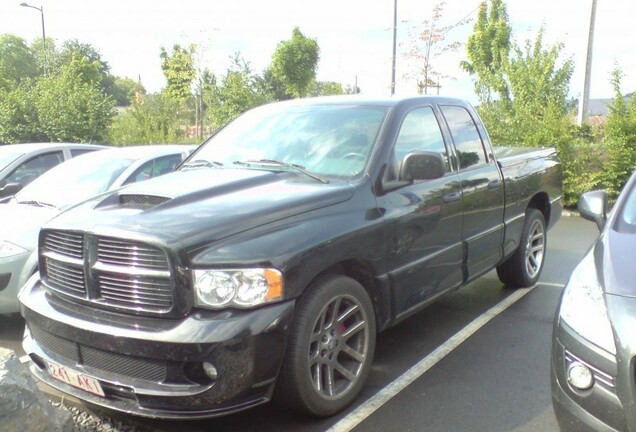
[470, 148]
[34, 167]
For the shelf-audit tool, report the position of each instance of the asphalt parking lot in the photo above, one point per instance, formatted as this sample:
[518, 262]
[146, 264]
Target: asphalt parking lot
[477, 360]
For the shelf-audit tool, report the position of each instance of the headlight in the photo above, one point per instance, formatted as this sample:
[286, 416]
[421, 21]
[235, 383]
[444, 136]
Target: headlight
[583, 306]
[8, 249]
[239, 288]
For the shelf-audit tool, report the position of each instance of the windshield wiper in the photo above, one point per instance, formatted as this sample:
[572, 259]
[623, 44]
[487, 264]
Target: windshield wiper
[271, 162]
[37, 203]
[201, 163]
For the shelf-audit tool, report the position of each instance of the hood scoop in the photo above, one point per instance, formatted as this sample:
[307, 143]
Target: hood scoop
[141, 202]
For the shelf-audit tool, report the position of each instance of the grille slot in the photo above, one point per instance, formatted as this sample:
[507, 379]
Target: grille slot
[120, 364]
[65, 277]
[130, 291]
[65, 243]
[141, 201]
[130, 254]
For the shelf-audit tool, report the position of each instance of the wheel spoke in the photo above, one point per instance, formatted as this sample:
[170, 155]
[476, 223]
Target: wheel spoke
[354, 329]
[348, 313]
[330, 383]
[355, 355]
[347, 374]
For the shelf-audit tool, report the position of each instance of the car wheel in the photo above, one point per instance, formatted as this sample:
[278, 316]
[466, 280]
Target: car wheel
[524, 267]
[330, 348]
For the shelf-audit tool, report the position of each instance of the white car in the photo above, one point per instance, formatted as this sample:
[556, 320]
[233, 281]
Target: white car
[20, 164]
[61, 188]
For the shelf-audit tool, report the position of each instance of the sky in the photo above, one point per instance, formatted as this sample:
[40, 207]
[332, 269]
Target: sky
[355, 36]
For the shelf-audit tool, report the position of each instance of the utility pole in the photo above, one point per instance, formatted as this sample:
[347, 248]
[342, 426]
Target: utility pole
[584, 102]
[394, 47]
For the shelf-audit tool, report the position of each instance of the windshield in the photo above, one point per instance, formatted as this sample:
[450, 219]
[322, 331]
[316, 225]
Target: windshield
[76, 180]
[7, 156]
[324, 140]
[626, 221]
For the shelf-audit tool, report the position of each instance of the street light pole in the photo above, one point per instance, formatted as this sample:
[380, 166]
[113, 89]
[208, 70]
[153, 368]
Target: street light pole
[41, 9]
[394, 47]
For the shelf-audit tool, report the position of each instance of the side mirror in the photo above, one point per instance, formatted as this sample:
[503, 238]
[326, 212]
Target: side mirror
[593, 206]
[421, 166]
[10, 189]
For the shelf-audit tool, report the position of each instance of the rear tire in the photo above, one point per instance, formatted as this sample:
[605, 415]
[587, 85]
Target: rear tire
[330, 348]
[523, 268]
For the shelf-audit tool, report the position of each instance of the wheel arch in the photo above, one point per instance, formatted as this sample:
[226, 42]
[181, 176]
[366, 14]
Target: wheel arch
[541, 202]
[375, 287]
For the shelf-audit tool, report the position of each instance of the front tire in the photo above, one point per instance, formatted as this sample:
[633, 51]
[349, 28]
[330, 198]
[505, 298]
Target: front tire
[524, 267]
[330, 348]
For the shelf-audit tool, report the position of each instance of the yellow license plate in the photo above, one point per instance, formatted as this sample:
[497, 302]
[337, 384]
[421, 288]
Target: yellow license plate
[76, 379]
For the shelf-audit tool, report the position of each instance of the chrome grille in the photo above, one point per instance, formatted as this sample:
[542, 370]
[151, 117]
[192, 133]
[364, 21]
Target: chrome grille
[65, 277]
[130, 254]
[136, 292]
[113, 273]
[65, 243]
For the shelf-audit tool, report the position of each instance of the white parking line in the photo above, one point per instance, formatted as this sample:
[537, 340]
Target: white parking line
[387, 393]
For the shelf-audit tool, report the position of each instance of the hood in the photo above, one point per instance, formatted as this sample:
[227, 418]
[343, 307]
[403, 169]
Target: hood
[198, 206]
[20, 223]
[615, 252]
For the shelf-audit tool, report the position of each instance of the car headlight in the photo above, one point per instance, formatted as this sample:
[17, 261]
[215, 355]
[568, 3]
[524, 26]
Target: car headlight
[583, 306]
[8, 249]
[239, 288]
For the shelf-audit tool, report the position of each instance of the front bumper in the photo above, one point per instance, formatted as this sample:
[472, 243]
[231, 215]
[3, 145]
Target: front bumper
[151, 367]
[14, 272]
[598, 409]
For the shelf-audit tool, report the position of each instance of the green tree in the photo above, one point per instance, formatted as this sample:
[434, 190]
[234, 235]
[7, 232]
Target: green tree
[17, 61]
[71, 106]
[619, 139]
[240, 89]
[179, 69]
[487, 50]
[124, 91]
[326, 88]
[152, 119]
[294, 63]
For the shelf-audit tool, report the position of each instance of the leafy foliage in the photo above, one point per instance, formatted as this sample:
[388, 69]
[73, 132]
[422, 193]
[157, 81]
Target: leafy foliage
[17, 61]
[487, 49]
[179, 69]
[152, 119]
[294, 63]
[619, 139]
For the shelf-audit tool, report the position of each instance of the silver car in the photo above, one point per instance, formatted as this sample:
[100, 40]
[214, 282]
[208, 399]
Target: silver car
[20, 164]
[594, 339]
[59, 189]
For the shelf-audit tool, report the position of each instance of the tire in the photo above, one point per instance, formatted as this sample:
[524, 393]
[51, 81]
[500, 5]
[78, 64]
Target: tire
[523, 268]
[328, 355]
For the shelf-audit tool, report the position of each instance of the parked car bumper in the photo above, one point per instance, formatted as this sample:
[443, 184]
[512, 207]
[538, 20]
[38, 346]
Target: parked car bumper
[597, 409]
[14, 272]
[154, 368]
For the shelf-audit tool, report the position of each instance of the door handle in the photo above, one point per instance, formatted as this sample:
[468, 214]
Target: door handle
[452, 197]
[494, 184]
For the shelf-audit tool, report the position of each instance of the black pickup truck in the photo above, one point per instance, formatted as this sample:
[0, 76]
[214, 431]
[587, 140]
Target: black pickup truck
[268, 262]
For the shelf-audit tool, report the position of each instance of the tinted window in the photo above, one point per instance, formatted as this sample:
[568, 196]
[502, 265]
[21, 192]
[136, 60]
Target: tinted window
[77, 152]
[420, 132]
[626, 221]
[154, 168]
[34, 167]
[470, 149]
